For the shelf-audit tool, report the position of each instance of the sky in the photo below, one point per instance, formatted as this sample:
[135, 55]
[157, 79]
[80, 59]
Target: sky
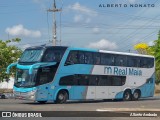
[102, 24]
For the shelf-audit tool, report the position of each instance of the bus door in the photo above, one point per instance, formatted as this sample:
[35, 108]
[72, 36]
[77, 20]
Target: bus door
[44, 77]
[42, 92]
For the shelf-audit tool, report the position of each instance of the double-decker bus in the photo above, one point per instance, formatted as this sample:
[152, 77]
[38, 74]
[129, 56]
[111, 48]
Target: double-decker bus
[58, 73]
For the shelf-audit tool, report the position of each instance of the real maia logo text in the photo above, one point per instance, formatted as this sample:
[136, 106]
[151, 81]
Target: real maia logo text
[122, 71]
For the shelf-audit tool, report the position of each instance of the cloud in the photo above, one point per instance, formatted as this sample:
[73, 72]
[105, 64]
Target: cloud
[78, 18]
[82, 9]
[96, 30]
[88, 20]
[19, 30]
[103, 44]
[83, 13]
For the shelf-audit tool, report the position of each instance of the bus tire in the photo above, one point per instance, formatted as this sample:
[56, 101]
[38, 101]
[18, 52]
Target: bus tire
[62, 97]
[127, 95]
[136, 95]
[42, 102]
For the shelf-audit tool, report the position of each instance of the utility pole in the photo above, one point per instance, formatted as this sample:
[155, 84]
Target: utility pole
[54, 10]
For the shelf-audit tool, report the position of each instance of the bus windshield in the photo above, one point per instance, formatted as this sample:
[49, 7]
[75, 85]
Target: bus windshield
[31, 55]
[23, 79]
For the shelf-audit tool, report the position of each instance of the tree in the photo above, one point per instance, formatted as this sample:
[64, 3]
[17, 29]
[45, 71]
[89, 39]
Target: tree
[141, 48]
[154, 50]
[8, 54]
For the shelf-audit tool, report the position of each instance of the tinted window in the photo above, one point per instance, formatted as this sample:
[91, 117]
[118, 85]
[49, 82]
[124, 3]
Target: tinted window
[116, 81]
[72, 57]
[107, 59]
[45, 74]
[150, 62]
[68, 80]
[81, 57]
[102, 81]
[104, 59]
[93, 80]
[133, 61]
[147, 62]
[53, 55]
[96, 57]
[83, 80]
[88, 58]
[120, 60]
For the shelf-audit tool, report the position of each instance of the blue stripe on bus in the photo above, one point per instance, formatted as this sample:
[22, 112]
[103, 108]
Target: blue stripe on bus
[147, 90]
[23, 89]
[77, 92]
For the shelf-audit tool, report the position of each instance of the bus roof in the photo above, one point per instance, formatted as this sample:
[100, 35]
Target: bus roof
[91, 50]
[113, 52]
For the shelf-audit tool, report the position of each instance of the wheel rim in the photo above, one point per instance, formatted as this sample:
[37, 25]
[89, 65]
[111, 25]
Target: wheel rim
[136, 95]
[127, 96]
[61, 97]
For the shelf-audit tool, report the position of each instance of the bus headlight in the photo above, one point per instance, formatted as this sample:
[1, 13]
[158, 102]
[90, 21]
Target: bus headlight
[33, 92]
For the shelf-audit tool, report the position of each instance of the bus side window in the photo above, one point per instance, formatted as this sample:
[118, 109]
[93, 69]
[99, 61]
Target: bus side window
[72, 58]
[96, 57]
[116, 81]
[120, 60]
[103, 59]
[150, 62]
[102, 81]
[92, 80]
[143, 63]
[49, 56]
[83, 80]
[133, 61]
[88, 58]
[81, 57]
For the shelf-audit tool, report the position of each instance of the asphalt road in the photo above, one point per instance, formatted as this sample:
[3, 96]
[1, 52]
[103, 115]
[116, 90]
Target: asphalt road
[147, 105]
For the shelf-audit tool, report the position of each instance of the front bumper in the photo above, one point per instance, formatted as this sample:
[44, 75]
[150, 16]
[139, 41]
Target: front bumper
[25, 95]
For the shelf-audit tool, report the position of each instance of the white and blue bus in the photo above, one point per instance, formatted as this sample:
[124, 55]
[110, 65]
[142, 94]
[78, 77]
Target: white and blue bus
[58, 73]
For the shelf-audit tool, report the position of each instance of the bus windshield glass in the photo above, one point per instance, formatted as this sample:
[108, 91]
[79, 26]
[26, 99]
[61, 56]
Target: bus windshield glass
[31, 55]
[23, 79]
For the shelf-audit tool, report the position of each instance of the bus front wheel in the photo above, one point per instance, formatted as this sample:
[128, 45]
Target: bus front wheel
[127, 95]
[62, 97]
